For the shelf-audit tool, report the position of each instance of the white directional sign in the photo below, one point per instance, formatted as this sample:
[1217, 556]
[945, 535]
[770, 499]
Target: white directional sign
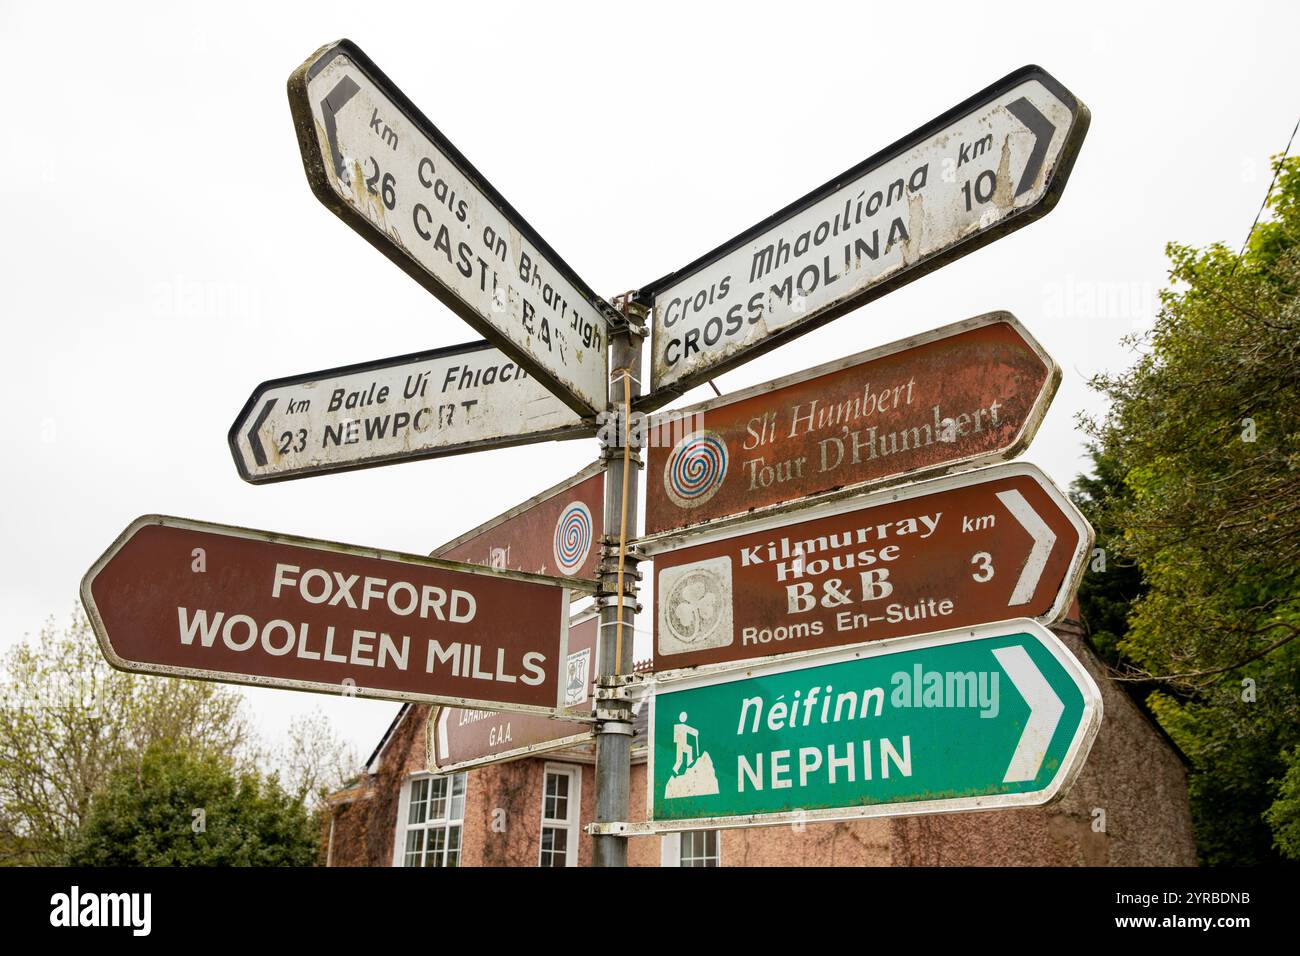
[424, 405]
[983, 169]
[375, 161]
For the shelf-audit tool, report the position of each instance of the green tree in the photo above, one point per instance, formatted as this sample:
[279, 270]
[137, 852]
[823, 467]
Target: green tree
[1112, 582]
[182, 808]
[313, 761]
[68, 720]
[1284, 814]
[1198, 486]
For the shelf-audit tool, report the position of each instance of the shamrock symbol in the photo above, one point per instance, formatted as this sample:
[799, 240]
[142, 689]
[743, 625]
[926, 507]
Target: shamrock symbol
[695, 609]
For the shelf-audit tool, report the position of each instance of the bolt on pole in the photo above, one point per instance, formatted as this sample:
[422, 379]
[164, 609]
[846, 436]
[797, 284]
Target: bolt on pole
[622, 456]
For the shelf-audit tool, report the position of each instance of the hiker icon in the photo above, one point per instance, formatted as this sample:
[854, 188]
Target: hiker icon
[697, 778]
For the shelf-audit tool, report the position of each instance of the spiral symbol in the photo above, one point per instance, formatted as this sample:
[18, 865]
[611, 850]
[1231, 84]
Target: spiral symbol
[696, 468]
[572, 537]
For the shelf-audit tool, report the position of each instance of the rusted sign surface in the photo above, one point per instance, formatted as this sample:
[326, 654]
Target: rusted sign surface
[985, 168]
[378, 164]
[461, 739]
[963, 395]
[557, 532]
[190, 599]
[425, 405]
[953, 552]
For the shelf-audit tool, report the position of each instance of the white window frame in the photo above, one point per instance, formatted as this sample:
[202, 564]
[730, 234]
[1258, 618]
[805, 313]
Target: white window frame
[572, 824]
[445, 823]
[670, 847]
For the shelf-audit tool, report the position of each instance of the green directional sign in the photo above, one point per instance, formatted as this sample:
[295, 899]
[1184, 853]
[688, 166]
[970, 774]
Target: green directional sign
[996, 716]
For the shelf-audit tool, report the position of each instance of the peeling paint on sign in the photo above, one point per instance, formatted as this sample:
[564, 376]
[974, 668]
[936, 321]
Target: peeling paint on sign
[955, 398]
[557, 532]
[985, 168]
[375, 161]
[462, 739]
[957, 551]
[425, 405]
[183, 598]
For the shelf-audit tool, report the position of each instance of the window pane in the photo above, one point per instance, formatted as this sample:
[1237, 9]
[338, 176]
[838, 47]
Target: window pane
[419, 801]
[699, 848]
[555, 843]
[557, 784]
[438, 798]
[437, 843]
[556, 804]
[457, 810]
[414, 848]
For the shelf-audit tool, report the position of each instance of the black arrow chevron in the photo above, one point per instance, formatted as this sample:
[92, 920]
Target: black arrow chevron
[343, 91]
[255, 440]
[1037, 124]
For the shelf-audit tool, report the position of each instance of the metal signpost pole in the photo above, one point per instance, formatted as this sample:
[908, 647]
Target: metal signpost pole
[617, 595]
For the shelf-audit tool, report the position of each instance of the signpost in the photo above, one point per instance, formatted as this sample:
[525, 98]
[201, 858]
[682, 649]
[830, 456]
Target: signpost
[963, 395]
[977, 719]
[953, 552]
[983, 169]
[425, 405]
[820, 653]
[556, 532]
[186, 598]
[461, 739]
[378, 164]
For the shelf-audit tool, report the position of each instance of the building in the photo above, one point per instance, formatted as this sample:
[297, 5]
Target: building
[1128, 807]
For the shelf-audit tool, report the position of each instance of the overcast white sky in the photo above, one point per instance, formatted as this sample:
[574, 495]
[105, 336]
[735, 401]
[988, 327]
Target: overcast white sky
[161, 253]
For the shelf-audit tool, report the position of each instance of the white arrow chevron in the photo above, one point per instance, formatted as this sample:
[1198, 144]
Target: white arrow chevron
[1044, 537]
[1045, 710]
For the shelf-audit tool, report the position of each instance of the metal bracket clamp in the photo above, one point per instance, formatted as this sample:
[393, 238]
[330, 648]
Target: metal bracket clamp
[634, 320]
[632, 312]
[634, 553]
[630, 571]
[618, 691]
[628, 602]
[611, 447]
[606, 829]
[618, 680]
[613, 722]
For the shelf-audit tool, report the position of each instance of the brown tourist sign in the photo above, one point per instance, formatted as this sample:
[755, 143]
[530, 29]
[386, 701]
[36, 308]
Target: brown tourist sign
[557, 532]
[957, 551]
[964, 395]
[461, 738]
[186, 598]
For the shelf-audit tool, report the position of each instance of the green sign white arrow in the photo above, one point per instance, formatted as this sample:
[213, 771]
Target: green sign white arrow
[972, 719]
